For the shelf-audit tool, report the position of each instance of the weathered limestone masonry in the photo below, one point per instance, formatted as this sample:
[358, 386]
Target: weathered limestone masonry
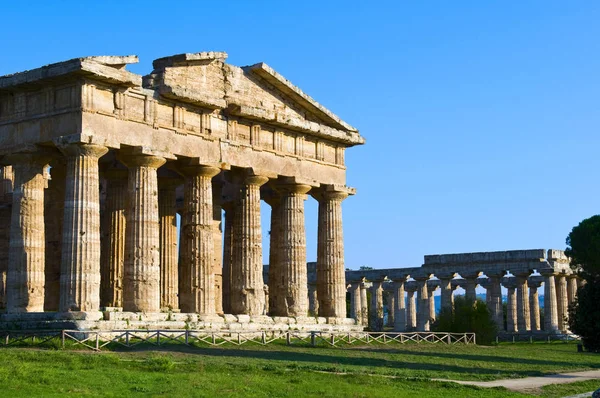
[197, 137]
[521, 272]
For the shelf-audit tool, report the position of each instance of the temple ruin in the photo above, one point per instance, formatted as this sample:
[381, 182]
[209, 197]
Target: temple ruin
[98, 161]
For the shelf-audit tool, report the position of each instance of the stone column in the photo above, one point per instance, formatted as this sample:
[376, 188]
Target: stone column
[292, 254]
[198, 291]
[447, 299]
[391, 308]
[572, 288]
[562, 301]
[80, 258]
[411, 308]
[364, 305]
[423, 306]
[227, 256]
[313, 300]
[6, 189]
[399, 307]
[511, 309]
[534, 305]
[113, 244]
[247, 294]
[331, 278]
[470, 287]
[25, 276]
[495, 301]
[277, 304]
[377, 306]
[550, 304]
[431, 290]
[169, 251]
[355, 305]
[523, 317]
[141, 291]
[54, 208]
[217, 229]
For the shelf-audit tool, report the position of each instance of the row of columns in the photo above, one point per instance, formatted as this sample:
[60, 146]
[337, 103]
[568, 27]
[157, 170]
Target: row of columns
[136, 264]
[411, 305]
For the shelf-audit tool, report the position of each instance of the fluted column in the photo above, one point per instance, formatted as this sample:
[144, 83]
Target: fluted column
[112, 265]
[470, 287]
[313, 300]
[217, 229]
[399, 306]
[277, 304]
[423, 306]
[364, 305]
[523, 317]
[377, 306]
[562, 301]
[447, 298]
[141, 291]
[411, 310]
[169, 251]
[494, 291]
[227, 257]
[550, 304]
[80, 258]
[534, 306]
[292, 255]
[355, 307]
[6, 189]
[25, 275]
[432, 314]
[54, 203]
[391, 308]
[331, 279]
[571, 288]
[247, 294]
[198, 293]
[511, 309]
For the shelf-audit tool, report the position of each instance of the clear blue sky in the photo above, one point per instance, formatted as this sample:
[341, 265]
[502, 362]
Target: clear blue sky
[482, 119]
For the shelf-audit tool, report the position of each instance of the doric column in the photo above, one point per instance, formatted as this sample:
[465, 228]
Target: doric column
[227, 256]
[277, 304]
[562, 301]
[550, 304]
[511, 309]
[534, 304]
[25, 276]
[432, 287]
[169, 251]
[6, 189]
[80, 258]
[292, 255]
[198, 291]
[112, 265]
[470, 287]
[494, 291]
[313, 300]
[355, 306]
[377, 306]
[364, 305]
[217, 229]
[571, 288]
[391, 308]
[247, 294]
[141, 283]
[447, 298]
[331, 278]
[411, 307]
[523, 317]
[399, 306]
[54, 203]
[422, 305]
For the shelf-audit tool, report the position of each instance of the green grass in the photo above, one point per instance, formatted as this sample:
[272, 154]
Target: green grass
[278, 370]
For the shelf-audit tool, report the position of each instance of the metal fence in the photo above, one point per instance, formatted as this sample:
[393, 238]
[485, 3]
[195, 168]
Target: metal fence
[97, 340]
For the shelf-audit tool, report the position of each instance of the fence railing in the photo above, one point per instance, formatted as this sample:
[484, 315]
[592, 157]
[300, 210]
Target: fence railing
[97, 340]
[536, 337]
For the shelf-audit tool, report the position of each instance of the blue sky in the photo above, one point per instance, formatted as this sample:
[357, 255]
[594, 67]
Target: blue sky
[481, 118]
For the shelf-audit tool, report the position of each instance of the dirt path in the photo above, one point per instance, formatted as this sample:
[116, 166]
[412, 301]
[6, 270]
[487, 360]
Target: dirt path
[533, 383]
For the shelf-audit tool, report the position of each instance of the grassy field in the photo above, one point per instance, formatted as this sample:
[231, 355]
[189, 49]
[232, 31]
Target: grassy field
[278, 370]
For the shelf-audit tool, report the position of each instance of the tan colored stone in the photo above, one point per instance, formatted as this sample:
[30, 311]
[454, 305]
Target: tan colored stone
[169, 249]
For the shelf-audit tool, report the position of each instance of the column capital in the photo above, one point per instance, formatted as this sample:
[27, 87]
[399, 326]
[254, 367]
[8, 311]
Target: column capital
[81, 149]
[287, 188]
[200, 170]
[332, 192]
[141, 160]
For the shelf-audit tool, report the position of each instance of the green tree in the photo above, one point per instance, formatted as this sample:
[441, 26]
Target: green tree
[584, 250]
[467, 316]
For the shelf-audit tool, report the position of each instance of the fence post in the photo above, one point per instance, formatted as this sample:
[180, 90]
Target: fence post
[448, 338]
[288, 339]
[98, 341]
[62, 337]
[264, 337]
[313, 339]
[186, 337]
[127, 338]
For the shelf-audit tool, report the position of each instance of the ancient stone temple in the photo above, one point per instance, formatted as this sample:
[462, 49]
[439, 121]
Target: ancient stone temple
[97, 163]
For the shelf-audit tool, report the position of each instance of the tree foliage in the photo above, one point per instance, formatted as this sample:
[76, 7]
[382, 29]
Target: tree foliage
[584, 247]
[584, 315]
[467, 316]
